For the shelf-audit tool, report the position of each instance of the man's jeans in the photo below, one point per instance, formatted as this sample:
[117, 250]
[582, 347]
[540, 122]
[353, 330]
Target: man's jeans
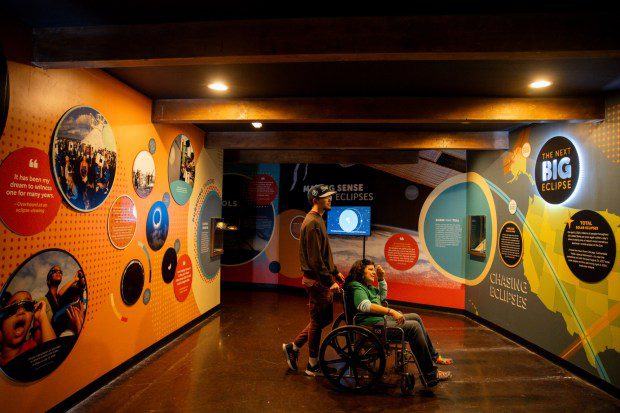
[321, 304]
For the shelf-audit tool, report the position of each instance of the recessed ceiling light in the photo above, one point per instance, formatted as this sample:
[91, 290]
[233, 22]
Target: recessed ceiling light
[220, 87]
[539, 84]
[257, 125]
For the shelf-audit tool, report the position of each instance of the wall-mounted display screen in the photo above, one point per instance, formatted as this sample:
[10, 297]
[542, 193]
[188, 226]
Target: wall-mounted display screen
[349, 220]
[477, 242]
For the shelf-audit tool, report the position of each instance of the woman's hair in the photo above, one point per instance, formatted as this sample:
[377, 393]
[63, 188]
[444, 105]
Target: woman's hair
[356, 273]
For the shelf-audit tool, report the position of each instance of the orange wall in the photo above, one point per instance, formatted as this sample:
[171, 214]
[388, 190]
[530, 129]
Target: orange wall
[38, 100]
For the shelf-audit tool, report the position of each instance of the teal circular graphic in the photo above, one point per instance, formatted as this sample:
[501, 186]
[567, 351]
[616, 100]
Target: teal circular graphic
[157, 225]
[166, 199]
[152, 146]
[177, 245]
[181, 169]
[446, 226]
[211, 207]
[146, 297]
[348, 220]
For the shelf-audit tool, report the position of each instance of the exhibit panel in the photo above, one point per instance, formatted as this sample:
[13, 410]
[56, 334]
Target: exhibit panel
[555, 278]
[99, 259]
[391, 197]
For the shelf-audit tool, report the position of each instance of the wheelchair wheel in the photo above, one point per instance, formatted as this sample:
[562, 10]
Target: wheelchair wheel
[352, 358]
[407, 382]
[340, 320]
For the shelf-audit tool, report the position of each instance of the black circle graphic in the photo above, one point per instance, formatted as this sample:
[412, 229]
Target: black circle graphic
[510, 244]
[589, 246]
[557, 170]
[169, 265]
[132, 282]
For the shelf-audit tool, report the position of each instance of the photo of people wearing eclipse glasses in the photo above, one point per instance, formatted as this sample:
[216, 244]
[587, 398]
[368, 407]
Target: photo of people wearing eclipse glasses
[42, 309]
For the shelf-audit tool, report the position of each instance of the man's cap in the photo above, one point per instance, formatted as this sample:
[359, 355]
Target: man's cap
[319, 191]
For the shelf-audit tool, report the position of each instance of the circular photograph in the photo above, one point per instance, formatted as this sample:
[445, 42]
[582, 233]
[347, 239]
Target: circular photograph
[84, 158]
[169, 265]
[181, 169]
[143, 175]
[132, 282]
[157, 224]
[42, 311]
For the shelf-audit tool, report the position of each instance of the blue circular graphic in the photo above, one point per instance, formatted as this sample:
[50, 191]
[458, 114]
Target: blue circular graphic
[348, 220]
[152, 146]
[166, 199]
[157, 225]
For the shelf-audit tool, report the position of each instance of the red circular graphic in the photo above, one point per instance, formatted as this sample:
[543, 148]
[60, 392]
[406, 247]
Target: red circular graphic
[183, 278]
[30, 200]
[401, 252]
[122, 222]
[263, 189]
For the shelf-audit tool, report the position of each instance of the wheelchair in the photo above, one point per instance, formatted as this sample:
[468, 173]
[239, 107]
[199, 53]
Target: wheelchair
[359, 353]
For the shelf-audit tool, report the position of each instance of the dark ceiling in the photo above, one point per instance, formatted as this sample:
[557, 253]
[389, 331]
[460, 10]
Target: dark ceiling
[59, 13]
[351, 79]
[487, 78]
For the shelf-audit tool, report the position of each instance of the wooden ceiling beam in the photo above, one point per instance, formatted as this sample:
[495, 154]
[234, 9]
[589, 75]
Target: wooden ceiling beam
[321, 156]
[378, 110]
[360, 141]
[456, 37]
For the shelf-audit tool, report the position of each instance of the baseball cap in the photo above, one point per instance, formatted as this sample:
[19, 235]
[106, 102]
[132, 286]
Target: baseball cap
[319, 191]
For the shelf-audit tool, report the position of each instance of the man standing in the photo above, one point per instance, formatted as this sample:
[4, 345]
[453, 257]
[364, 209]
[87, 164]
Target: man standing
[319, 278]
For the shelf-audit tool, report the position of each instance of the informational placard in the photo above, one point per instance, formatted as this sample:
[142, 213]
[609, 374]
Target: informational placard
[401, 252]
[42, 313]
[183, 278]
[557, 170]
[510, 244]
[262, 190]
[448, 232]
[589, 246]
[122, 222]
[349, 220]
[30, 201]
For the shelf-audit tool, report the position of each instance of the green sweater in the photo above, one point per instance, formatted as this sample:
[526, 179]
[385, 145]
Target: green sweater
[360, 292]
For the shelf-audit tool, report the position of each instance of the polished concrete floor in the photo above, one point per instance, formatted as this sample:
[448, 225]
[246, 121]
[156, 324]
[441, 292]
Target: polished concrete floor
[233, 362]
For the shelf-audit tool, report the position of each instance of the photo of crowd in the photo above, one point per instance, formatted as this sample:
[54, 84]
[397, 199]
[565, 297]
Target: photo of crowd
[42, 305]
[84, 158]
[143, 175]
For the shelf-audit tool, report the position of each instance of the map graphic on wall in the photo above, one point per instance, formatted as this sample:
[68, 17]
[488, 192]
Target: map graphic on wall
[43, 309]
[181, 169]
[84, 158]
[143, 174]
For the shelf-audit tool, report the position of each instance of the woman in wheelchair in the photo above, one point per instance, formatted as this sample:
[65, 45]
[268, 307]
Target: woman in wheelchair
[367, 300]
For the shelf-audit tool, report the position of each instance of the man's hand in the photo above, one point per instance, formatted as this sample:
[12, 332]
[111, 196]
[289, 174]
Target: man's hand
[335, 288]
[380, 273]
[340, 277]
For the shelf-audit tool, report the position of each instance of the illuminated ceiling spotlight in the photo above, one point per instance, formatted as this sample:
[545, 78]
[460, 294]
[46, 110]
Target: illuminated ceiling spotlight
[218, 86]
[257, 125]
[540, 84]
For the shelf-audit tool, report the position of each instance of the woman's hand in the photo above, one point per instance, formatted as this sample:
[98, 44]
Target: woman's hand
[397, 316]
[380, 273]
